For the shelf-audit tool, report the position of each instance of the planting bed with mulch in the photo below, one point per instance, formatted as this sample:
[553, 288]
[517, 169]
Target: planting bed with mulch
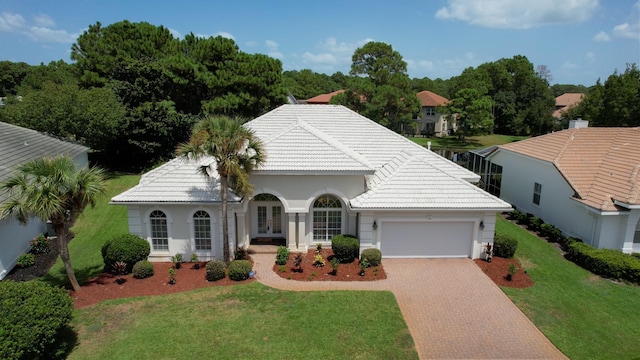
[309, 272]
[498, 269]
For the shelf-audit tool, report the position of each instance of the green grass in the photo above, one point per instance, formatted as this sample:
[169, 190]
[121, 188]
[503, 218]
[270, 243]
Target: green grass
[585, 316]
[471, 142]
[248, 321]
[94, 227]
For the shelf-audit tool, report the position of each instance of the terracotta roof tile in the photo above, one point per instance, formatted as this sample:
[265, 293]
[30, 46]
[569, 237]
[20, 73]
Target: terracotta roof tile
[323, 98]
[566, 101]
[601, 164]
[428, 98]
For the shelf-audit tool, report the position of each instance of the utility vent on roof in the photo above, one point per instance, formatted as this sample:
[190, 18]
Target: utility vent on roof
[578, 124]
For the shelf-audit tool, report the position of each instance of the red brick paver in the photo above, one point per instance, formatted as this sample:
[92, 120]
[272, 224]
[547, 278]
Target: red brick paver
[452, 309]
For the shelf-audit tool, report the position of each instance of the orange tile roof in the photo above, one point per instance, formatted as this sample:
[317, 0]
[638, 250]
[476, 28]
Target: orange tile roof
[323, 98]
[428, 98]
[566, 101]
[601, 164]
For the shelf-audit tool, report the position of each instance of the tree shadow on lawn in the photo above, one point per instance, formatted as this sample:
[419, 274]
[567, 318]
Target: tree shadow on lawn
[59, 279]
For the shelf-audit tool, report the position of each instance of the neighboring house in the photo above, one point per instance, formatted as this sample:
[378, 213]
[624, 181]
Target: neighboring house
[565, 102]
[17, 146]
[322, 99]
[585, 181]
[328, 171]
[430, 121]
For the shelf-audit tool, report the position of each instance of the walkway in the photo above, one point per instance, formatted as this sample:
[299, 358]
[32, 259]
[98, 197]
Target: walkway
[452, 309]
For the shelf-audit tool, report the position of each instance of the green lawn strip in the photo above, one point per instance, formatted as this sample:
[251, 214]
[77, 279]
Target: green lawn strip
[95, 226]
[585, 316]
[471, 142]
[249, 321]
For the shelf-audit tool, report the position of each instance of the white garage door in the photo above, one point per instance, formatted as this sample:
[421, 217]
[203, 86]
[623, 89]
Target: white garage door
[426, 239]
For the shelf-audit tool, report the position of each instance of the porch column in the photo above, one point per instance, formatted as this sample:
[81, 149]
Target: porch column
[630, 231]
[242, 230]
[291, 232]
[302, 232]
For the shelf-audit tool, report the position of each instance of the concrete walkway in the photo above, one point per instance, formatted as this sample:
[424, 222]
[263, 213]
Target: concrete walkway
[452, 309]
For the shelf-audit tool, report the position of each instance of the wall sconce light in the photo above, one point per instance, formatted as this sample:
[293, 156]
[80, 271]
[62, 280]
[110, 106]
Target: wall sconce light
[375, 225]
[482, 225]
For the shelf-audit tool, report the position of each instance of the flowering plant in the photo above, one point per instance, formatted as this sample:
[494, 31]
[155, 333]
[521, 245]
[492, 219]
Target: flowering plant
[40, 245]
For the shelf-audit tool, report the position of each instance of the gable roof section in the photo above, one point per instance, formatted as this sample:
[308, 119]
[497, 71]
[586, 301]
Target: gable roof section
[566, 101]
[602, 165]
[331, 139]
[323, 98]
[19, 145]
[428, 98]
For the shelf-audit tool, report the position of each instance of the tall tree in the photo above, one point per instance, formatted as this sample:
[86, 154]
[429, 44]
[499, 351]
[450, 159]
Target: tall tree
[472, 110]
[380, 88]
[234, 151]
[53, 190]
[11, 75]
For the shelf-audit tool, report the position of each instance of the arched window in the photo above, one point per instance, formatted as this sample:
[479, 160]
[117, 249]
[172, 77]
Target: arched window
[202, 230]
[327, 218]
[159, 232]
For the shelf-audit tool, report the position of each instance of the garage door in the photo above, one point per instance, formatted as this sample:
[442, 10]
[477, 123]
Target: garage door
[426, 239]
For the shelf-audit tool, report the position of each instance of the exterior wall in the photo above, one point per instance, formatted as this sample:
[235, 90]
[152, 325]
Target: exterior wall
[557, 206]
[14, 241]
[437, 120]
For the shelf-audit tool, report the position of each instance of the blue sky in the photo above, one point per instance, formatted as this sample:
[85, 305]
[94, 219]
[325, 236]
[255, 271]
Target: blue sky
[578, 40]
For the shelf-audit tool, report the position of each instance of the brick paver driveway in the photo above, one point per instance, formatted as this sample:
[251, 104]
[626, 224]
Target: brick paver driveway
[451, 308]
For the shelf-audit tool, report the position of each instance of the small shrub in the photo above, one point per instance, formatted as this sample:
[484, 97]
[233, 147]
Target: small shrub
[33, 316]
[334, 264]
[127, 248]
[513, 215]
[297, 262]
[535, 223]
[239, 270]
[372, 255]
[26, 260]
[345, 248]
[504, 246]
[565, 242]
[522, 219]
[364, 264]
[177, 259]
[511, 271]
[40, 245]
[319, 248]
[282, 268]
[142, 269]
[319, 261]
[282, 256]
[172, 276]
[241, 254]
[216, 270]
[119, 267]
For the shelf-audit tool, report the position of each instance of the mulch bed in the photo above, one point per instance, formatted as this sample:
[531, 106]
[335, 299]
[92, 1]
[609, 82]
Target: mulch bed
[43, 262]
[498, 269]
[309, 272]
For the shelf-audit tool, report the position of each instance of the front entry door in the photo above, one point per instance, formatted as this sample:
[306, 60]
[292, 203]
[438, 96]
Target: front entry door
[268, 219]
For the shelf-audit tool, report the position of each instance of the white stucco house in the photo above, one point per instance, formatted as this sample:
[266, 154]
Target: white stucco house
[585, 181]
[17, 146]
[328, 171]
[431, 121]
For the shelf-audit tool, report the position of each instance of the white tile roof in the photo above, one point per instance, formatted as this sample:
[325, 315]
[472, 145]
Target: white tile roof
[331, 139]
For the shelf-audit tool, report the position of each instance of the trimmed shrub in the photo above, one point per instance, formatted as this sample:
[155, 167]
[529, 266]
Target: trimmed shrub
[26, 260]
[127, 248]
[142, 269]
[609, 263]
[40, 245]
[215, 270]
[282, 256]
[535, 223]
[345, 248]
[33, 318]
[504, 246]
[565, 242]
[513, 215]
[550, 232]
[239, 270]
[372, 255]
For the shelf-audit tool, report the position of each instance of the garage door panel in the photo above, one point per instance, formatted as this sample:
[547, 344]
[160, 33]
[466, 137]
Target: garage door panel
[426, 239]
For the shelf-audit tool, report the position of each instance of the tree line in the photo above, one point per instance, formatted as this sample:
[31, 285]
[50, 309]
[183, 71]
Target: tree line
[133, 92]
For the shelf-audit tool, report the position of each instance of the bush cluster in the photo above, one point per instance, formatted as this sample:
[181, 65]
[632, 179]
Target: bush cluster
[282, 256]
[127, 248]
[40, 245]
[609, 263]
[372, 255]
[345, 248]
[142, 269]
[215, 270]
[33, 316]
[26, 260]
[504, 246]
[239, 270]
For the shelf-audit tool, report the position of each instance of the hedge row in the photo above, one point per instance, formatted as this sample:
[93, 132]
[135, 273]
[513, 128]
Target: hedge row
[238, 270]
[609, 263]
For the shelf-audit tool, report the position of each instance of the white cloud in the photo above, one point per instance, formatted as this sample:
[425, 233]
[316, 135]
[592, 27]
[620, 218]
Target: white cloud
[41, 31]
[11, 22]
[324, 58]
[43, 34]
[251, 44]
[602, 36]
[43, 20]
[333, 54]
[628, 31]
[225, 35]
[569, 66]
[517, 14]
[176, 34]
[273, 49]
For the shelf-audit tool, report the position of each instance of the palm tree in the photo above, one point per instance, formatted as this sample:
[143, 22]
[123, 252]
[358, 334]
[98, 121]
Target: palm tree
[235, 151]
[51, 188]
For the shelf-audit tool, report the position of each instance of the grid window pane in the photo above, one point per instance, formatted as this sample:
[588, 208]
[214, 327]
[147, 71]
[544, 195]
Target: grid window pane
[319, 225]
[327, 218]
[537, 192]
[159, 231]
[202, 230]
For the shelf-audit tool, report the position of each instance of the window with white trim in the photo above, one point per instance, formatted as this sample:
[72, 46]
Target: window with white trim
[159, 231]
[537, 192]
[327, 218]
[202, 230]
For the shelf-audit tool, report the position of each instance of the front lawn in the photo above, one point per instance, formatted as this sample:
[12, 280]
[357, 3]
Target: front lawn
[471, 142]
[585, 316]
[246, 322]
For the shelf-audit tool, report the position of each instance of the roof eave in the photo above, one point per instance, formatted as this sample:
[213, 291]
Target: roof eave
[314, 172]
